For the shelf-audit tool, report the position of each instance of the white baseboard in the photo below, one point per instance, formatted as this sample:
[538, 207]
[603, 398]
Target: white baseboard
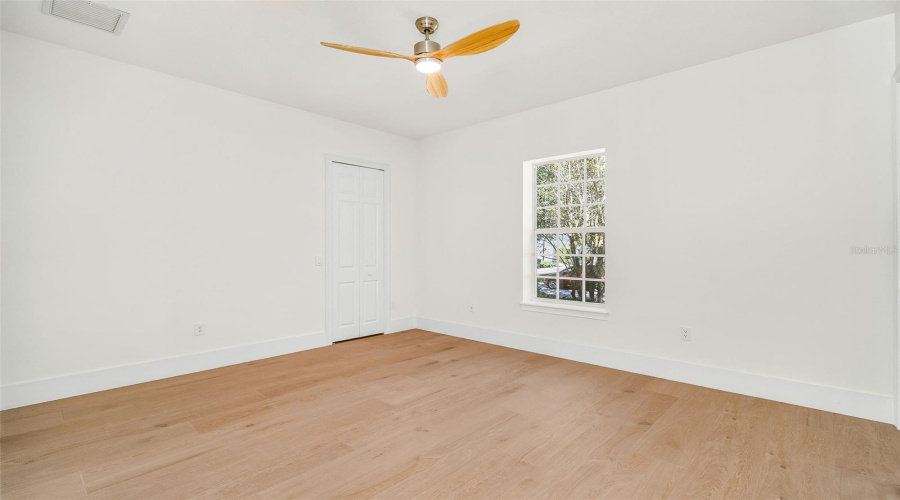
[39, 391]
[398, 325]
[858, 404]
[847, 402]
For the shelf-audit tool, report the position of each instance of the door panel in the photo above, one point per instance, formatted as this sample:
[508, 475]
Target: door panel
[372, 261]
[370, 302]
[357, 213]
[347, 305]
[370, 231]
[346, 229]
[347, 234]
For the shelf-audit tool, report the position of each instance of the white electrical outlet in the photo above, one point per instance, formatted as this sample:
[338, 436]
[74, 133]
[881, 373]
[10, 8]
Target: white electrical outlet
[319, 260]
[471, 308]
[393, 306]
[686, 333]
[199, 329]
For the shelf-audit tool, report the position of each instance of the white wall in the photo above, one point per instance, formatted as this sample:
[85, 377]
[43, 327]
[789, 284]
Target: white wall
[897, 35]
[735, 190]
[135, 203]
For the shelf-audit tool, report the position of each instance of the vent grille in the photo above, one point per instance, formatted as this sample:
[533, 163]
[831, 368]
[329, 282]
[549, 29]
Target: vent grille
[87, 13]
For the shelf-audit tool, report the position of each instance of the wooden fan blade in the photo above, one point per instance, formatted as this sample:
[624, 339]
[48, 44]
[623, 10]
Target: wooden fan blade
[368, 52]
[478, 42]
[436, 84]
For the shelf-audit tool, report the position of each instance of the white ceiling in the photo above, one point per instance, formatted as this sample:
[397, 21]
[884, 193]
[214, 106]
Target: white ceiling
[271, 50]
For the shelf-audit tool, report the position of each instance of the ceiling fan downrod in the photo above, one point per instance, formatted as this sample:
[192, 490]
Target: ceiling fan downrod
[426, 26]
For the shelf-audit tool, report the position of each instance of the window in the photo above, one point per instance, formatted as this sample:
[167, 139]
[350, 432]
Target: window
[567, 234]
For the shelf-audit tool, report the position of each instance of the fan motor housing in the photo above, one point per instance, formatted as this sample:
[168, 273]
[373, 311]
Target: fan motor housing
[426, 46]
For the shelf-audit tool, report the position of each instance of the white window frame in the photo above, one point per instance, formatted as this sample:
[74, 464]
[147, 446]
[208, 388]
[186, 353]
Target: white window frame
[530, 301]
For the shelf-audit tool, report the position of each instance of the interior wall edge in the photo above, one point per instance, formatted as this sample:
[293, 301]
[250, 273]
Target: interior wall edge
[896, 225]
[875, 407]
[401, 324]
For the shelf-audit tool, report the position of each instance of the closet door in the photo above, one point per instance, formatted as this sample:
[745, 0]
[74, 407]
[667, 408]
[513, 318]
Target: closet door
[357, 221]
[346, 231]
[371, 202]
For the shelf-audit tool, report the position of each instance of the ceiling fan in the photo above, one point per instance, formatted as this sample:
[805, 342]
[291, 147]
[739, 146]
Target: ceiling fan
[429, 55]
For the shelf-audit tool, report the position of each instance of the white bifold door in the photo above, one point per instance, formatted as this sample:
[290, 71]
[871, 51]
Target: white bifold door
[357, 289]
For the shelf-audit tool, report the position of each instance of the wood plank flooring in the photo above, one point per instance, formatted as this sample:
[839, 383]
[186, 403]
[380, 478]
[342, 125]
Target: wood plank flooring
[421, 415]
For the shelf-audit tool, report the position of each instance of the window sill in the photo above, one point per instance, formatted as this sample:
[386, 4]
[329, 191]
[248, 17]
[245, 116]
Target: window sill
[565, 309]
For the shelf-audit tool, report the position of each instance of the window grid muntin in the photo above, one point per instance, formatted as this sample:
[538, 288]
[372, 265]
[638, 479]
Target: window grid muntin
[583, 257]
[569, 159]
[559, 229]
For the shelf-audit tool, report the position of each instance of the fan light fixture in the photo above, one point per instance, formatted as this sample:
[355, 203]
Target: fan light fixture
[429, 56]
[428, 65]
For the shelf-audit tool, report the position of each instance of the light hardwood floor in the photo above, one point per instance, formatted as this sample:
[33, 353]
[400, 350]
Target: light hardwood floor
[417, 414]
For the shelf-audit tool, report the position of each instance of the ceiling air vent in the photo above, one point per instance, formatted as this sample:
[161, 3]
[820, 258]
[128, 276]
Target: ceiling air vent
[87, 13]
